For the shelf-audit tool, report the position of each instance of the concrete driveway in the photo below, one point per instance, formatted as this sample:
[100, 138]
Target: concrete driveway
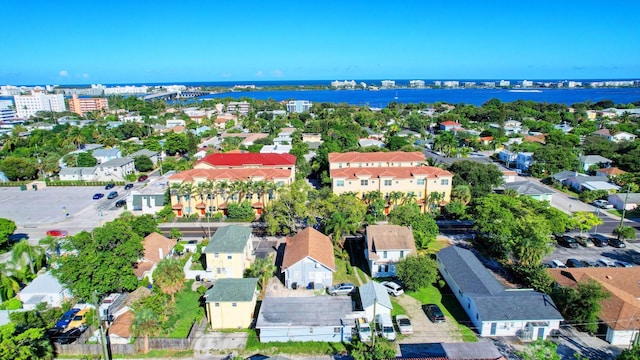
[424, 331]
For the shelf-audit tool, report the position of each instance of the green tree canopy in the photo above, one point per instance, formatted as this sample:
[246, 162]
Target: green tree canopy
[169, 276]
[417, 271]
[7, 227]
[143, 163]
[580, 305]
[481, 178]
[423, 226]
[30, 344]
[17, 169]
[86, 160]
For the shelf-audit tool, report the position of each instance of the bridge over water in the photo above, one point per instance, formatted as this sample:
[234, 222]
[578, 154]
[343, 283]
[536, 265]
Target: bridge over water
[174, 95]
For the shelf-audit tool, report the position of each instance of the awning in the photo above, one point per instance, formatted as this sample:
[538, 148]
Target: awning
[257, 205]
[201, 206]
[177, 207]
[222, 206]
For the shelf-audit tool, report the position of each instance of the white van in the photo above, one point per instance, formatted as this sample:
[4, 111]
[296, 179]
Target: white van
[364, 329]
[384, 326]
[557, 264]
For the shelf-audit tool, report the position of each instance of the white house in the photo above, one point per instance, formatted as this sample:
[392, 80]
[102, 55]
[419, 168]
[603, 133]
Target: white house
[44, 288]
[493, 309]
[104, 155]
[375, 300]
[594, 160]
[619, 200]
[385, 245]
[115, 169]
[77, 173]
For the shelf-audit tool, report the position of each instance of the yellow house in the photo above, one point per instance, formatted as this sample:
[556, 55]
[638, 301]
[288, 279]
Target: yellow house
[231, 303]
[230, 251]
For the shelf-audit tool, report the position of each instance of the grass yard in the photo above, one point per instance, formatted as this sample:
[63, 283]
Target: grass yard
[450, 307]
[293, 347]
[437, 245]
[397, 309]
[187, 310]
[344, 272]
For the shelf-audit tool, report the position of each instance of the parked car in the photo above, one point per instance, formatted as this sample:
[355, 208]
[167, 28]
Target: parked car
[590, 263]
[599, 240]
[79, 320]
[384, 326]
[404, 324]
[603, 204]
[16, 237]
[434, 313]
[606, 262]
[557, 264]
[121, 203]
[66, 318]
[142, 178]
[128, 186]
[617, 243]
[53, 333]
[568, 241]
[109, 186]
[393, 288]
[341, 289]
[98, 196]
[623, 264]
[584, 241]
[574, 263]
[112, 195]
[69, 336]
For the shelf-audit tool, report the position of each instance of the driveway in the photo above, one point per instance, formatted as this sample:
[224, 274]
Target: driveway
[424, 331]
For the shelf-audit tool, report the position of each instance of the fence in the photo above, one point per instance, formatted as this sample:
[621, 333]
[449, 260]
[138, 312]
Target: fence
[196, 274]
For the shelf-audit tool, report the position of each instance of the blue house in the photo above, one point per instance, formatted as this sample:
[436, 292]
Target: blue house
[308, 260]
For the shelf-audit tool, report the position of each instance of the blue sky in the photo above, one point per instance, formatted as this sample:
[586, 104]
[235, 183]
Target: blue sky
[81, 42]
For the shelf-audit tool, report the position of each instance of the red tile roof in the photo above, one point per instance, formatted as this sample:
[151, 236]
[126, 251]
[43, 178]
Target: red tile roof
[247, 159]
[232, 174]
[611, 171]
[312, 243]
[450, 123]
[394, 172]
[394, 156]
[152, 244]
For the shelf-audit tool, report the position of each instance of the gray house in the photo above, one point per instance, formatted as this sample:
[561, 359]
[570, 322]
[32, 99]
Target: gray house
[375, 300]
[530, 189]
[104, 155]
[594, 160]
[493, 309]
[154, 156]
[316, 318]
[308, 260]
[115, 169]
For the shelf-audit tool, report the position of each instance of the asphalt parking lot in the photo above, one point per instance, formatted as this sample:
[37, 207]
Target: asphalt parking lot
[630, 254]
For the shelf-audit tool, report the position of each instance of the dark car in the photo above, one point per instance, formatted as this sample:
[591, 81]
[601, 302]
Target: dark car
[599, 240]
[18, 237]
[574, 263]
[121, 203]
[109, 186]
[112, 195]
[98, 196]
[568, 241]
[53, 333]
[65, 319]
[128, 186]
[433, 313]
[617, 243]
[70, 336]
[142, 178]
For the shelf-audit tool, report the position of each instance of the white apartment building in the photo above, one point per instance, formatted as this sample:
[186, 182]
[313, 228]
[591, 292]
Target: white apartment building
[527, 83]
[122, 90]
[505, 83]
[28, 105]
[6, 110]
[416, 83]
[388, 83]
[344, 84]
[451, 83]
[299, 106]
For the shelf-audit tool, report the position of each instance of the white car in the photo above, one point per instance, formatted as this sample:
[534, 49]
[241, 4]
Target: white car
[404, 324]
[392, 288]
[603, 204]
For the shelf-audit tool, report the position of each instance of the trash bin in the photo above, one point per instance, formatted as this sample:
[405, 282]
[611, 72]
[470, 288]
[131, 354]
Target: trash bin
[294, 286]
[198, 277]
[23, 187]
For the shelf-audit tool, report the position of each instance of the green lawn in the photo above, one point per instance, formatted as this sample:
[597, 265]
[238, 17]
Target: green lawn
[341, 274]
[187, 308]
[450, 307]
[436, 246]
[293, 347]
[397, 309]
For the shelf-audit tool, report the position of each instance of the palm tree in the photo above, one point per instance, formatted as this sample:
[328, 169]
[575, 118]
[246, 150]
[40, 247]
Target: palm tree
[408, 198]
[371, 197]
[34, 255]
[51, 245]
[395, 196]
[336, 225]
[625, 232]
[461, 193]
[9, 285]
[169, 277]
[175, 191]
[433, 200]
[222, 188]
[146, 323]
[263, 269]
[187, 190]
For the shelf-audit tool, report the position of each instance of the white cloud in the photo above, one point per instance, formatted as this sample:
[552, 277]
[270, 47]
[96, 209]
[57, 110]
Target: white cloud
[85, 76]
[259, 73]
[277, 73]
[63, 73]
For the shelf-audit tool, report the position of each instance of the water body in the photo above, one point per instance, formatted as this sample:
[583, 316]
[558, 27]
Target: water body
[476, 97]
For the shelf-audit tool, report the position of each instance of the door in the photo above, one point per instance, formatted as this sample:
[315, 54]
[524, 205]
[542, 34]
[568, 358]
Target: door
[540, 333]
[494, 326]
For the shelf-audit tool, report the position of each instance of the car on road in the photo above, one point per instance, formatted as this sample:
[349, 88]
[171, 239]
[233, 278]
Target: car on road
[568, 241]
[557, 264]
[603, 204]
[574, 263]
[66, 318]
[584, 241]
[392, 288]
[434, 313]
[623, 264]
[69, 336]
[599, 240]
[341, 289]
[606, 262]
[121, 203]
[128, 186]
[57, 233]
[16, 237]
[98, 196]
[109, 186]
[404, 324]
[112, 195]
[617, 243]
[142, 178]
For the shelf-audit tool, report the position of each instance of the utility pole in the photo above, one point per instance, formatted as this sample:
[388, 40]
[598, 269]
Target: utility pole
[624, 208]
[103, 336]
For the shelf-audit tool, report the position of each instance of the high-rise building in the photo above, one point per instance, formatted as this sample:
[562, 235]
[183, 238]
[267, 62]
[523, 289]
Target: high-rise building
[28, 105]
[7, 111]
[299, 106]
[81, 106]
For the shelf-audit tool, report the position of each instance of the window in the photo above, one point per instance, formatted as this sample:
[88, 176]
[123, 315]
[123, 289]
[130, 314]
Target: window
[280, 183]
[337, 330]
[401, 254]
[216, 255]
[217, 304]
[420, 182]
[212, 209]
[218, 271]
[234, 304]
[444, 182]
[379, 164]
[384, 254]
[340, 165]
[387, 183]
[340, 183]
[211, 197]
[248, 196]
[364, 182]
[229, 257]
[271, 195]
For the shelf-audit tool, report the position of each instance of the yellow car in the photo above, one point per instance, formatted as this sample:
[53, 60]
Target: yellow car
[79, 320]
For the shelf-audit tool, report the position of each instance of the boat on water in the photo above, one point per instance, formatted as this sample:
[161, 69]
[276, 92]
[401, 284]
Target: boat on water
[525, 91]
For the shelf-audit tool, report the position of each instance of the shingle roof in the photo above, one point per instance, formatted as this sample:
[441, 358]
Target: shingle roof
[373, 292]
[232, 174]
[309, 243]
[303, 311]
[389, 237]
[122, 325]
[229, 239]
[232, 290]
[393, 156]
[152, 244]
[611, 171]
[594, 159]
[105, 152]
[246, 159]
[563, 175]
[144, 152]
[468, 272]
[392, 172]
[484, 350]
[117, 162]
[528, 187]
